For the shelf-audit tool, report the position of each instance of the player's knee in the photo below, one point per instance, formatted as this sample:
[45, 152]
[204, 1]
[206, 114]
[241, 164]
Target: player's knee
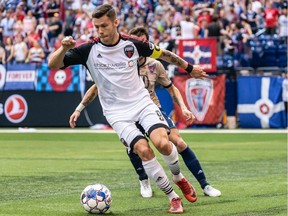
[180, 145]
[163, 146]
[144, 151]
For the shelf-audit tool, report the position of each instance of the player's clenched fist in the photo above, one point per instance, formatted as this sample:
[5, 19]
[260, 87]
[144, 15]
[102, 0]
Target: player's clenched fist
[68, 42]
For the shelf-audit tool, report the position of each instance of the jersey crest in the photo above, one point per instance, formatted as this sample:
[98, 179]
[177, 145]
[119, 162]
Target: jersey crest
[152, 67]
[129, 51]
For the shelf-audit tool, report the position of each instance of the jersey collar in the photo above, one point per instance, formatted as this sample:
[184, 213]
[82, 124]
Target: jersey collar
[111, 45]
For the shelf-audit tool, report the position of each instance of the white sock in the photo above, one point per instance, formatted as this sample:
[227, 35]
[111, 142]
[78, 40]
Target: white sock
[172, 161]
[156, 172]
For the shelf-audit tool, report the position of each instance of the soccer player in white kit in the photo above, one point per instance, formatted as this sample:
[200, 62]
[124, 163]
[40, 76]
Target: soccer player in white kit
[111, 60]
[152, 72]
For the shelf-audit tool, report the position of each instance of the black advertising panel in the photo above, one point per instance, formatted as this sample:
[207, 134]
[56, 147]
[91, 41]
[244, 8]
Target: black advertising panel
[46, 109]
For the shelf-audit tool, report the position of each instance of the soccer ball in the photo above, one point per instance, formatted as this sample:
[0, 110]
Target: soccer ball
[96, 198]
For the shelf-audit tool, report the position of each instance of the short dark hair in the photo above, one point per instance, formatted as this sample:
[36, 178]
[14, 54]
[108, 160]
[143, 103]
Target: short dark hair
[139, 31]
[103, 10]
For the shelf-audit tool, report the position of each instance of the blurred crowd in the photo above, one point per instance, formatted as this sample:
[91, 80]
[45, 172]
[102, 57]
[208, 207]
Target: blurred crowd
[31, 29]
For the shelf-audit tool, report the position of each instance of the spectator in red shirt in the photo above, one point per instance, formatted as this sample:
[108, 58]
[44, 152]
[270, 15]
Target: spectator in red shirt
[57, 43]
[231, 14]
[19, 14]
[31, 37]
[271, 18]
[205, 14]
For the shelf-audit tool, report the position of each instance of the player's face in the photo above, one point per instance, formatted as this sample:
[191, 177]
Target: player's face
[106, 29]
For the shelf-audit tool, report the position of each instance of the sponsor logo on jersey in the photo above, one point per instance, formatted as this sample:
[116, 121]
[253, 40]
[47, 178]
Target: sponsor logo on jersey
[102, 66]
[129, 51]
[131, 63]
[199, 95]
[152, 67]
[99, 56]
[15, 108]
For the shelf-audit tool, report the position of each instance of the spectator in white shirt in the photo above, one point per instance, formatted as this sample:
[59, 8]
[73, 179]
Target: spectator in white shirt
[7, 24]
[283, 23]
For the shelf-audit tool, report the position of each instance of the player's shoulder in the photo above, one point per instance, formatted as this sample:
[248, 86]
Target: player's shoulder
[133, 39]
[88, 44]
[94, 40]
[150, 60]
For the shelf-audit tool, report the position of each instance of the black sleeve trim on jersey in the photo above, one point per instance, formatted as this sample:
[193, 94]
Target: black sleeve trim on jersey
[158, 126]
[168, 86]
[77, 55]
[136, 139]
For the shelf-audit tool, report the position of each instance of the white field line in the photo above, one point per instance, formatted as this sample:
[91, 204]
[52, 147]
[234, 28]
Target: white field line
[187, 131]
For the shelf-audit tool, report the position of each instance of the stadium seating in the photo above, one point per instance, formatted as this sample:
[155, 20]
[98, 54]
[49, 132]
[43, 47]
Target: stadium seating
[245, 71]
[267, 51]
[268, 71]
[282, 55]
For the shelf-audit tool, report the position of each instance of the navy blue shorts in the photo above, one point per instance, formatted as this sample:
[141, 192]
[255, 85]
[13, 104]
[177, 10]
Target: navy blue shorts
[168, 119]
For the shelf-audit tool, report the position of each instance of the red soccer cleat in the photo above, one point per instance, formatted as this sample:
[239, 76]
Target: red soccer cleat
[187, 189]
[176, 206]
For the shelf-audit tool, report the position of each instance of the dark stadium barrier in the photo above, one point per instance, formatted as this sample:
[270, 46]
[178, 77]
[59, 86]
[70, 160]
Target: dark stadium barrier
[45, 109]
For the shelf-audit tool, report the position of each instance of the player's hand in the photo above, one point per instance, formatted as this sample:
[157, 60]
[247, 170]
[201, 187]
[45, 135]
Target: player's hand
[189, 116]
[73, 118]
[198, 72]
[68, 42]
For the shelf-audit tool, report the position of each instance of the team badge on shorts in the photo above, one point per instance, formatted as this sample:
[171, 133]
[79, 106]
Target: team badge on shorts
[129, 51]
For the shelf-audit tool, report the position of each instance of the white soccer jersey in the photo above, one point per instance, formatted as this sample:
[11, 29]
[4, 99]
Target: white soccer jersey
[114, 69]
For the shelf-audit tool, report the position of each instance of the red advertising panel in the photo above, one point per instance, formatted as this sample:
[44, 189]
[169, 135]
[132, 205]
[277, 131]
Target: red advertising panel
[204, 98]
[199, 51]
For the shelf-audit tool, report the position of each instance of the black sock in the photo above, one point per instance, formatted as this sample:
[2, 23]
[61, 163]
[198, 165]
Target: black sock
[137, 164]
[194, 166]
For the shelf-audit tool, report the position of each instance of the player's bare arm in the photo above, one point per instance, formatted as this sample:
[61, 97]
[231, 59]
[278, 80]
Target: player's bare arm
[56, 58]
[89, 96]
[194, 70]
[178, 99]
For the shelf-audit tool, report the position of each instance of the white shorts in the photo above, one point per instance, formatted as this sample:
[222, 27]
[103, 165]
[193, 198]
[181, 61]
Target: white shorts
[149, 118]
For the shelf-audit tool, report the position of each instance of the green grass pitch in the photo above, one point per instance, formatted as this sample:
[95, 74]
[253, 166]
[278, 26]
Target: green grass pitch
[44, 174]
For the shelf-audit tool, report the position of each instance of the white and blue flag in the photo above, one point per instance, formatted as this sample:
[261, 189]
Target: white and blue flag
[20, 77]
[260, 102]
